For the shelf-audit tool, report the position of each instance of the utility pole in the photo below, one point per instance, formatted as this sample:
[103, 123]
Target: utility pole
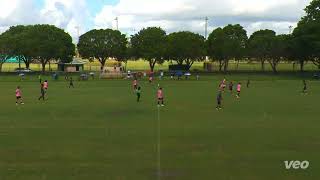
[206, 28]
[117, 22]
[206, 32]
[78, 36]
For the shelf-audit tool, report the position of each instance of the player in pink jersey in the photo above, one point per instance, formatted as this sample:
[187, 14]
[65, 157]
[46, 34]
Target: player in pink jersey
[238, 90]
[18, 96]
[160, 97]
[135, 84]
[150, 79]
[46, 85]
[222, 85]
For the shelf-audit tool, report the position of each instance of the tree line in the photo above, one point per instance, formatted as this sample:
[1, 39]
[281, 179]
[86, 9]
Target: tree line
[46, 43]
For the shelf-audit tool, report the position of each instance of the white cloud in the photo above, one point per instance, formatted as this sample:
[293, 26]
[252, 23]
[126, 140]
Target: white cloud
[7, 7]
[65, 14]
[174, 15]
[71, 15]
[13, 12]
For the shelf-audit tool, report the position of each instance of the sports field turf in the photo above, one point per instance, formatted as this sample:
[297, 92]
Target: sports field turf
[97, 131]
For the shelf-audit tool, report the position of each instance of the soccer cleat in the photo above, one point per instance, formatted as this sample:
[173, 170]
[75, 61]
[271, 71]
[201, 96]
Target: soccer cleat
[162, 105]
[22, 103]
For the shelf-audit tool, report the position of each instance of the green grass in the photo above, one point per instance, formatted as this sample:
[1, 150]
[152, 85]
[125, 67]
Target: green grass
[98, 131]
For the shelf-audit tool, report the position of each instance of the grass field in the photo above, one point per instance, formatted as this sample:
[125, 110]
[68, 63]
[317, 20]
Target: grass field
[97, 131]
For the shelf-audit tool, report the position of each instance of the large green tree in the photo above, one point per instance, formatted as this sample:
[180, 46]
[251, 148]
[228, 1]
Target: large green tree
[306, 37]
[215, 47]
[52, 44]
[226, 44]
[260, 46]
[150, 44]
[279, 50]
[186, 47]
[102, 44]
[41, 43]
[4, 51]
[18, 44]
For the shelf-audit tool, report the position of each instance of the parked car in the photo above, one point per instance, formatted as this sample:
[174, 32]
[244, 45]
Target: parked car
[23, 70]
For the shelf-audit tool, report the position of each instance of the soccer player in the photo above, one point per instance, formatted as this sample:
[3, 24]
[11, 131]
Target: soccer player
[138, 92]
[223, 85]
[18, 96]
[40, 79]
[231, 87]
[135, 84]
[219, 101]
[42, 92]
[45, 85]
[238, 90]
[71, 83]
[150, 79]
[160, 97]
[248, 83]
[305, 89]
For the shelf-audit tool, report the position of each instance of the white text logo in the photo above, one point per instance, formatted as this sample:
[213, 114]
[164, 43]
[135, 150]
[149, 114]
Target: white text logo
[296, 164]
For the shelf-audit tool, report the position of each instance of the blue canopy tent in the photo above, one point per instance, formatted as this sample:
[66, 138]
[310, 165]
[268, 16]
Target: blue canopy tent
[13, 60]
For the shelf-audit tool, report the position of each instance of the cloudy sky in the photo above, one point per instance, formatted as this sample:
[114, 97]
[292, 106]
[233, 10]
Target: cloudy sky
[172, 15]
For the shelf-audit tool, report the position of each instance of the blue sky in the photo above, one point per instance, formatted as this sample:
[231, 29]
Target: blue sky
[171, 15]
[96, 5]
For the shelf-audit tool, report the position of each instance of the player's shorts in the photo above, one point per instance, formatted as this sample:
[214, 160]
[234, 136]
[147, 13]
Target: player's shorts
[239, 92]
[160, 99]
[135, 86]
[18, 97]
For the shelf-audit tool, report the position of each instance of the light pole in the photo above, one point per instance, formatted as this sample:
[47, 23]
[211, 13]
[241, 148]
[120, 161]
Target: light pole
[206, 32]
[206, 28]
[78, 36]
[117, 22]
